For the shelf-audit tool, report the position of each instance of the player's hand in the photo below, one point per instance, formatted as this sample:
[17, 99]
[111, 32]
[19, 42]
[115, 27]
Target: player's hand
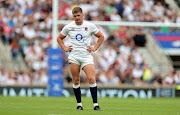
[69, 49]
[90, 49]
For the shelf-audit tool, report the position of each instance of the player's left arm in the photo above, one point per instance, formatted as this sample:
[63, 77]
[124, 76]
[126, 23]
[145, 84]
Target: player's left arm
[99, 42]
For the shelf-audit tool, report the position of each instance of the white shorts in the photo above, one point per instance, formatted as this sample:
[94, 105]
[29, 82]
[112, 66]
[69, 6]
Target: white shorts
[81, 60]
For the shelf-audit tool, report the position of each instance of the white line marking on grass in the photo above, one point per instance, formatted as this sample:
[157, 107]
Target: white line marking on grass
[147, 109]
[55, 114]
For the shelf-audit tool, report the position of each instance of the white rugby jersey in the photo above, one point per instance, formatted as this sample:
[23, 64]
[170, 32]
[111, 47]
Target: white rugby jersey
[80, 36]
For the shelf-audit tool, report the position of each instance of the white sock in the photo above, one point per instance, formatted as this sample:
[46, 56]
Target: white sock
[79, 104]
[93, 85]
[95, 104]
[76, 86]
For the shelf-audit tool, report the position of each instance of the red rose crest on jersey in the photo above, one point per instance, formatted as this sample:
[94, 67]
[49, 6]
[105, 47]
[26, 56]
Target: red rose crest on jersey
[86, 28]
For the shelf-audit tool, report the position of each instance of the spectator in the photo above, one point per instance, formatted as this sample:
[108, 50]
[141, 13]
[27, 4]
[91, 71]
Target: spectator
[177, 77]
[41, 78]
[137, 74]
[1, 26]
[137, 56]
[11, 78]
[3, 77]
[125, 50]
[29, 32]
[6, 31]
[23, 79]
[157, 79]
[111, 78]
[109, 55]
[147, 76]
[15, 48]
[169, 80]
[119, 7]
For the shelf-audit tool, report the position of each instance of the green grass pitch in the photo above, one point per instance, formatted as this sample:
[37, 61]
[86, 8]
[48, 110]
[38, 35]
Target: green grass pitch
[66, 106]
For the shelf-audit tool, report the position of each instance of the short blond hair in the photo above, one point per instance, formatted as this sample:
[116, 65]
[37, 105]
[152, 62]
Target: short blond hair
[76, 10]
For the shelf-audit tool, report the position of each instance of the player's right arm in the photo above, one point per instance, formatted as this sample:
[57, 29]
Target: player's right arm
[61, 43]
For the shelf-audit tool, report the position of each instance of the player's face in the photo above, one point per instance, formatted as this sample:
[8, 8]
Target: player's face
[78, 17]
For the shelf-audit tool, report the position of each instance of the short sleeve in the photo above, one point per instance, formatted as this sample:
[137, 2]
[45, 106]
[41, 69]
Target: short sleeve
[64, 31]
[95, 30]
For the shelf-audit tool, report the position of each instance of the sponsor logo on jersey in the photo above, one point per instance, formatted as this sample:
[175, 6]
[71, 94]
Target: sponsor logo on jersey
[79, 37]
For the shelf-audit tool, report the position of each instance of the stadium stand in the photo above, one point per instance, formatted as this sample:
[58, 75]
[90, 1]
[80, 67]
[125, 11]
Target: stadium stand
[26, 28]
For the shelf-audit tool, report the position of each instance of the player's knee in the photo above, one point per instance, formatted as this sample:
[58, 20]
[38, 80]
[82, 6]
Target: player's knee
[76, 81]
[92, 80]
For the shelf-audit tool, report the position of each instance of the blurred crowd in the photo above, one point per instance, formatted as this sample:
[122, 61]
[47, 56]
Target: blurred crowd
[26, 26]
[121, 10]
[21, 77]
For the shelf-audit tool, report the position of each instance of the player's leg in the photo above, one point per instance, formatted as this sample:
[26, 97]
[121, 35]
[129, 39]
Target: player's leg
[90, 73]
[75, 69]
